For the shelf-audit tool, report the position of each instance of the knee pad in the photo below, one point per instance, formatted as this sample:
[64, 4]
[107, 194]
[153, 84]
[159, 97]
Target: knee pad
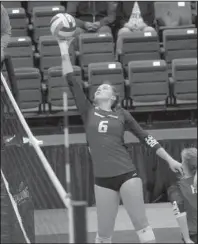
[146, 235]
[102, 239]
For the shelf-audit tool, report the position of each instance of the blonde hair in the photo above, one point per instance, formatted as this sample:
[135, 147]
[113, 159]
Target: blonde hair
[189, 157]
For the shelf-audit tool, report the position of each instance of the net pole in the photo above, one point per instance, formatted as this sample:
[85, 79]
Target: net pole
[67, 166]
[61, 191]
[78, 221]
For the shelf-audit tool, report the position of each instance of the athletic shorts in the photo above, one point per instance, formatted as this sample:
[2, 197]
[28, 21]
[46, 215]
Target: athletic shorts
[115, 183]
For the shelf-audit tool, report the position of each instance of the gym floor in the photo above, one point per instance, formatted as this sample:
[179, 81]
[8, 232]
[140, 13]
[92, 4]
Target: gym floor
[52, 225]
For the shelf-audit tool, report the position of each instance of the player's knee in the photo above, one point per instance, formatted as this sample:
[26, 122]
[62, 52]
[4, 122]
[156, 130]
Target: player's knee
[100, 239]
[146, 235]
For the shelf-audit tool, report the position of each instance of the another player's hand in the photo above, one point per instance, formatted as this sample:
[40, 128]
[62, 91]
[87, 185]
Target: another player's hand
[88, 26]
[96, 25]
[176, 166]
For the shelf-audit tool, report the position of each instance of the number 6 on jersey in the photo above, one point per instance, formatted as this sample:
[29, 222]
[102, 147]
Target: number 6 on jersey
[103, 126]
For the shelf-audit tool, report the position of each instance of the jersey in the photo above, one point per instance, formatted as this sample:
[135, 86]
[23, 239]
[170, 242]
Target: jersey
[105, 134]
[189, 196]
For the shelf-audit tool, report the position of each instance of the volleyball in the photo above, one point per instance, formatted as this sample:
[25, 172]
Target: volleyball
[62, 25]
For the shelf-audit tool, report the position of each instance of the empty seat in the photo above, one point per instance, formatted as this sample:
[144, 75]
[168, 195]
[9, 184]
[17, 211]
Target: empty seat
[184, 74]
[50, 55]
[95, 47]
[33, 4]
[11, 4]
[173, 14]
[111, 72]
[21, 51]
[41, 18]
[148, 84]
[56, 85]
[180, 43]
[28, 84]
[139, 46]
[18, 21]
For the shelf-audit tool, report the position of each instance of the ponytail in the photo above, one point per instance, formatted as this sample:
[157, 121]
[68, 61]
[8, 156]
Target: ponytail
[189, 157]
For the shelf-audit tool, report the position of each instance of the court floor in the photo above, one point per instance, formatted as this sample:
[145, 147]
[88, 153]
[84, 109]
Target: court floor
[52, 225]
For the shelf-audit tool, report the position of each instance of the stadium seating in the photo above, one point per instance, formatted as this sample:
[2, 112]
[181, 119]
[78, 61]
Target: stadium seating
[50, 53]
[18, 21]
[33, 4]
[180, 10]
[56, 85]
[180, 43]
[148, 84]
[111, 72]
[41, 17]
[184, 75]
[139, 46]
[95, 47]
[11, 4]
[28, 84]
[21, 51]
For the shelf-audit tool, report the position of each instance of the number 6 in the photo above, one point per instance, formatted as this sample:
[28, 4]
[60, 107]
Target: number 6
[103, 127]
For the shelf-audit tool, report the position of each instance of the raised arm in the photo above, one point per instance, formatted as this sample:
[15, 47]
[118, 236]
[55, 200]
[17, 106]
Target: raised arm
[82, 103]
[150, 141]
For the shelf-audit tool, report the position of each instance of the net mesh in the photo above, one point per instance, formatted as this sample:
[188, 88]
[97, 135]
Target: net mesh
[26, 184]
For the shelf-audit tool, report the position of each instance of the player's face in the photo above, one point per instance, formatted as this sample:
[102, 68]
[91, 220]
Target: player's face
[104, 93]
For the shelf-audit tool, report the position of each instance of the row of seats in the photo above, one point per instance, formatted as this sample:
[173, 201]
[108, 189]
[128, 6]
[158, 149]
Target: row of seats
[180, 43]
[40, 14]
[148, 86]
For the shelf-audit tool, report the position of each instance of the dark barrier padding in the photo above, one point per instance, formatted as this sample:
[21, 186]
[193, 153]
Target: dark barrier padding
[153, 171]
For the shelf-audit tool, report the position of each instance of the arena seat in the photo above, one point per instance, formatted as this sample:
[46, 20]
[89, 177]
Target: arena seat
[180, 10]
[148, 84]
[28, 84]
[139, 46]
[33, 4]
[50, 53]
[11, 4]
[18, 21]
[184, 74]
[21, 51]
[180, 43]
[41, 17]
[111, 72]
[56, 85]
[95, 47]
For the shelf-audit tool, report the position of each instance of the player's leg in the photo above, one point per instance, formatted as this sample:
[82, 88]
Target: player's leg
[132, 196]
[107, 203]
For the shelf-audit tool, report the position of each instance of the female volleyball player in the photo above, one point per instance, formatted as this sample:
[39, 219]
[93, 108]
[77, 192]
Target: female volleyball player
[115, 174]
[185, 195]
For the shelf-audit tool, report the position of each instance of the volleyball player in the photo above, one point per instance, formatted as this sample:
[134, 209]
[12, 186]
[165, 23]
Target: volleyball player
[115, 174]
[185, 195]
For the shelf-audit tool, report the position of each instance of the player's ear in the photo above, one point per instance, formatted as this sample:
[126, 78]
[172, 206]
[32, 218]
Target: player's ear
[113, 98]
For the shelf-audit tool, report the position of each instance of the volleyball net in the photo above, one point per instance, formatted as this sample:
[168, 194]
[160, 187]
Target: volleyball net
[26, 177]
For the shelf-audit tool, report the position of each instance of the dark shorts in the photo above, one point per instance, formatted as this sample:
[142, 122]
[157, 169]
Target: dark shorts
[115, 183]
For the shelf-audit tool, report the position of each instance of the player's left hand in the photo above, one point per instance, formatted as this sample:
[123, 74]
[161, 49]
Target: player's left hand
[96, 26]
[176, 167]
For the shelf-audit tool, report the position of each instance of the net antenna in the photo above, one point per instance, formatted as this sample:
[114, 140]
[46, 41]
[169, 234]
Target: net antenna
[77, 215]
[64, 196]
